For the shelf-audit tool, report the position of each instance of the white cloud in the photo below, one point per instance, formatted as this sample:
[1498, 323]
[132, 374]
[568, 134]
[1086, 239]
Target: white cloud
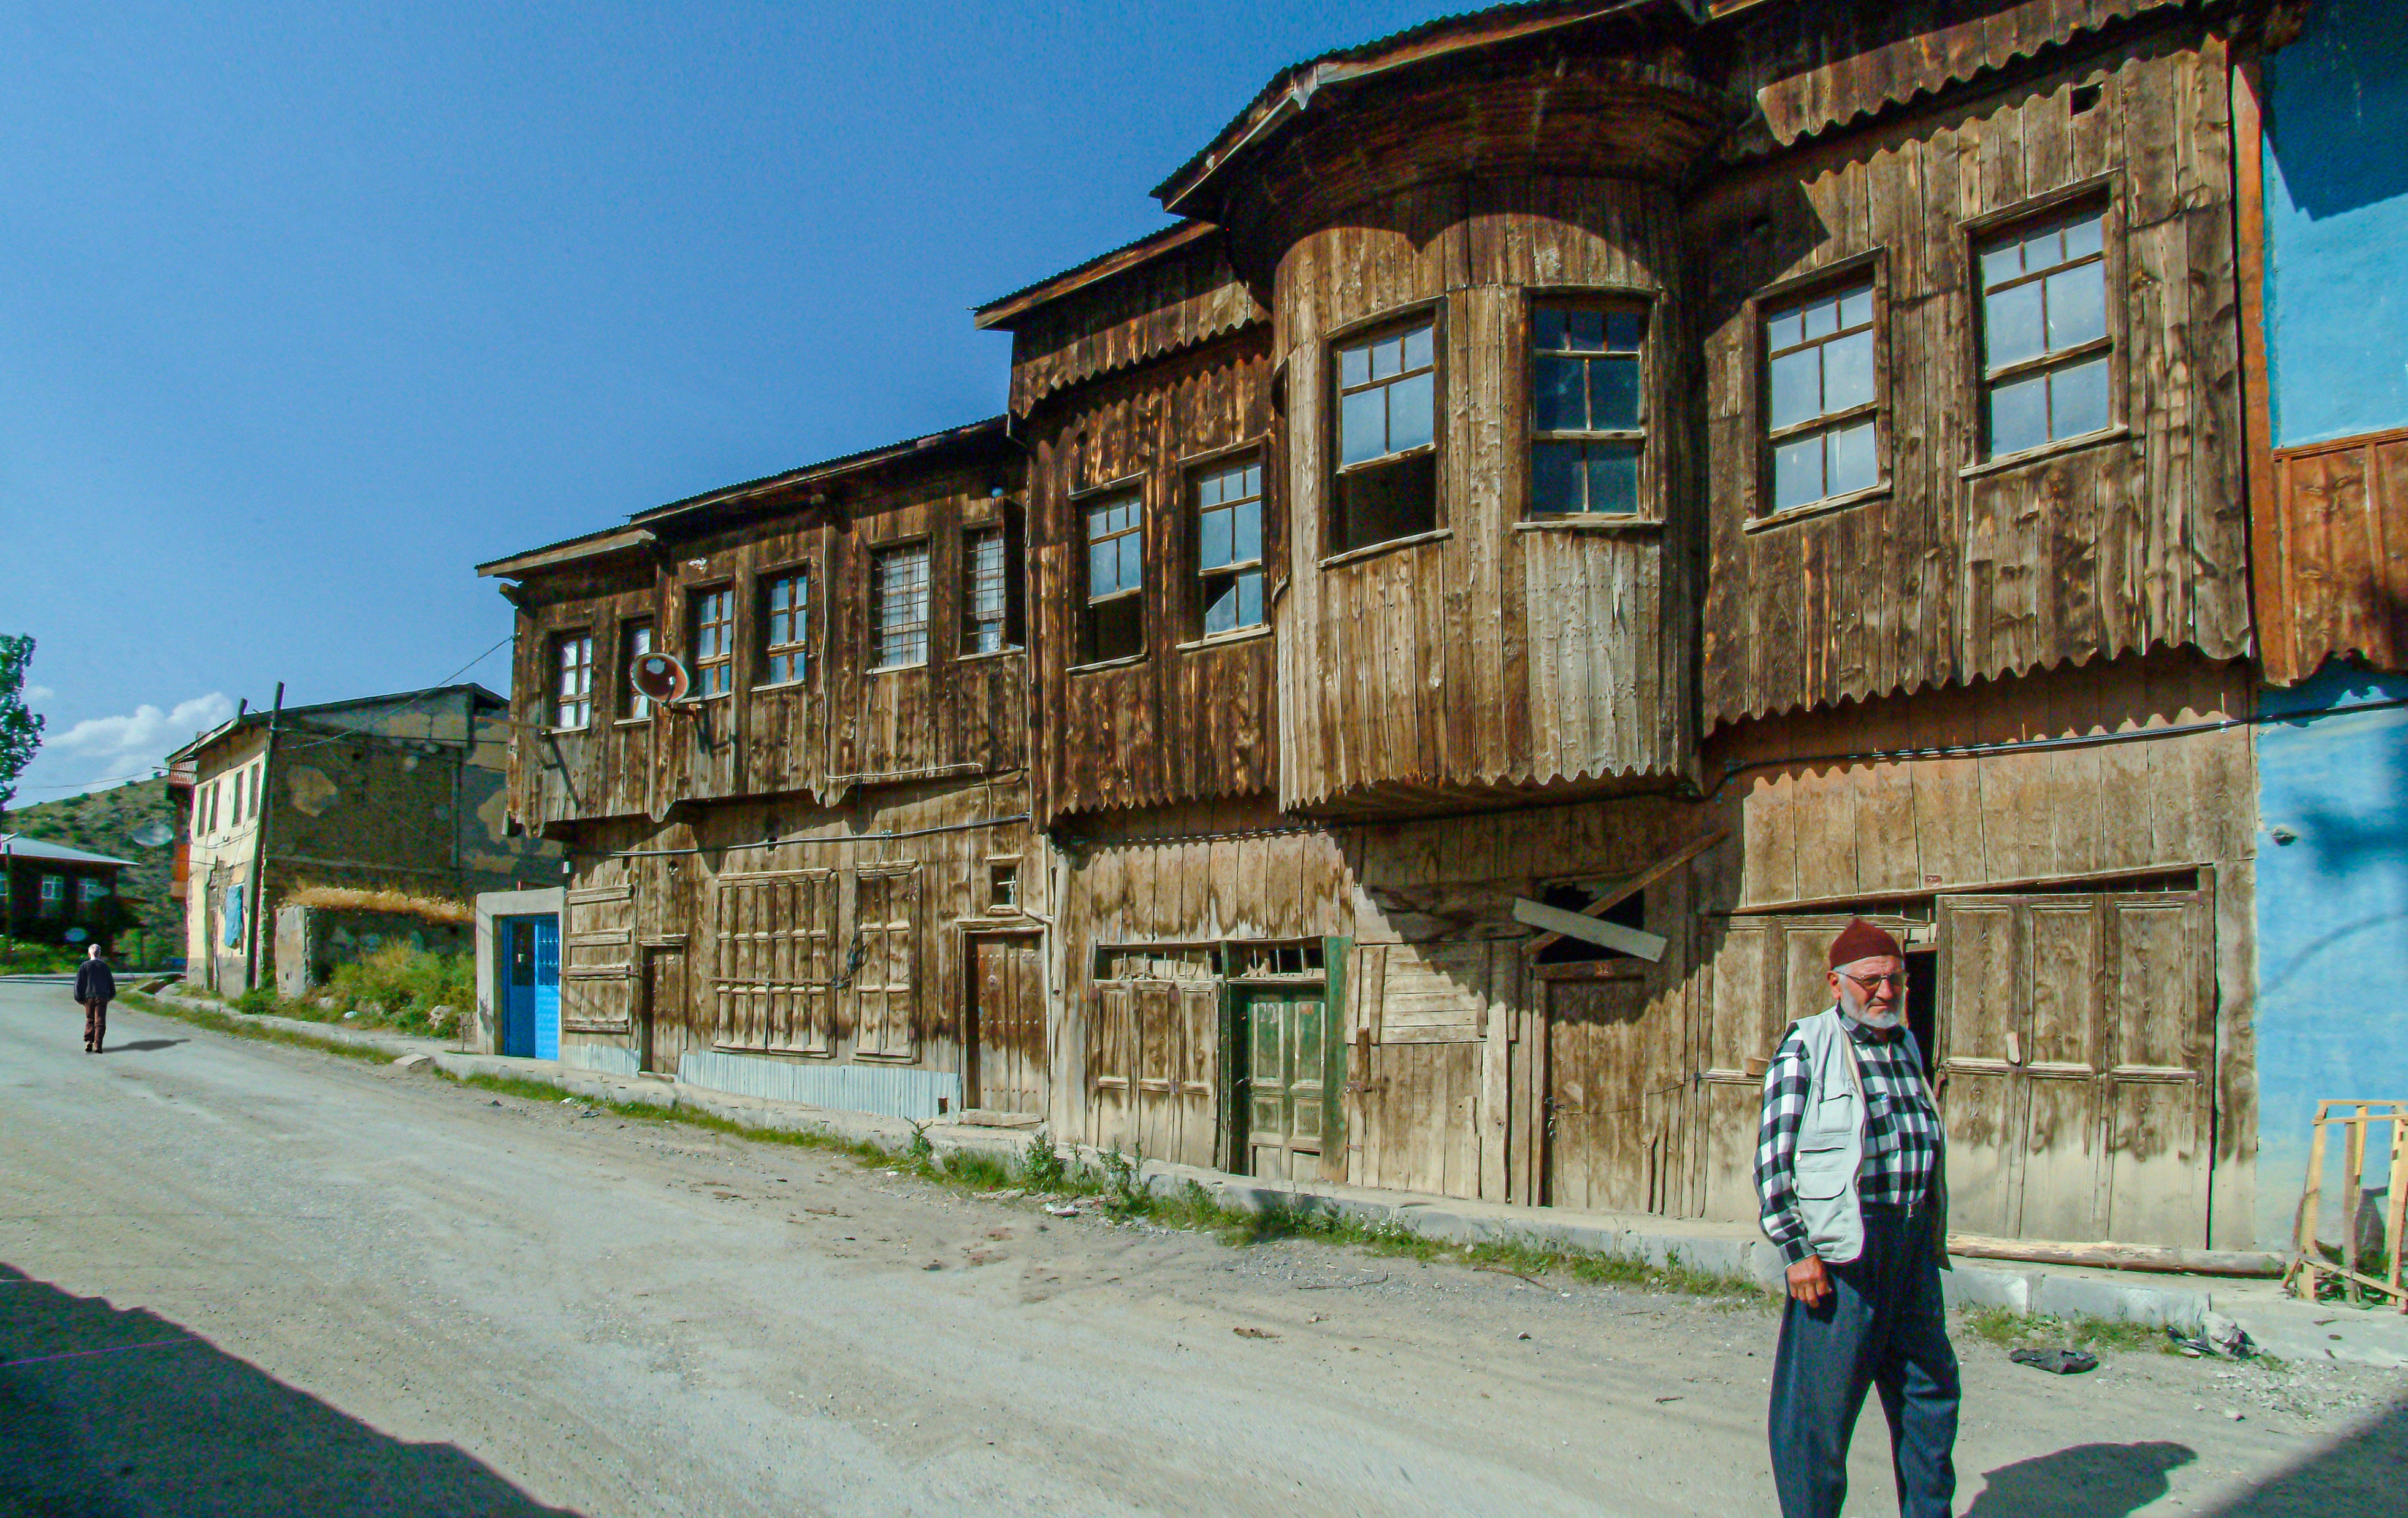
[147, 734]
[38, 693]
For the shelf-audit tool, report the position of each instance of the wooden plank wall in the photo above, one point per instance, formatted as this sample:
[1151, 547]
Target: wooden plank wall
[2337, 581]
[844, 725]
[1486, 655]
[1192, 720]
[2119, 547]
[1171, 303]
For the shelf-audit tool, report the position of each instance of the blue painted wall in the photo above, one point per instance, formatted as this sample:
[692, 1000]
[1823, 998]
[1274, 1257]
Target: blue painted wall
[2332, 916]
[2336, 126]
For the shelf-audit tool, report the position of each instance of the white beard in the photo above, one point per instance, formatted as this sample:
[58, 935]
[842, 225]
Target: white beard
[1858, 1006]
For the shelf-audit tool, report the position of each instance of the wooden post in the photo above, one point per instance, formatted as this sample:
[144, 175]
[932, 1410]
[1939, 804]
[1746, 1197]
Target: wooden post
[2304, 1235]
[2395, 1212]
[2353, 1171]
[259, 843]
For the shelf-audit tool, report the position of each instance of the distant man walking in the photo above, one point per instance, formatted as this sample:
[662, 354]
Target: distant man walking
[1849, 1167]
[95, 987]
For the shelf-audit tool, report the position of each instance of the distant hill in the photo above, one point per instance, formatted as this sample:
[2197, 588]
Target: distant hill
[105, 822]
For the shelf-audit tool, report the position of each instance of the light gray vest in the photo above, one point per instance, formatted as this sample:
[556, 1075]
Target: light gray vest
[1831, 1141]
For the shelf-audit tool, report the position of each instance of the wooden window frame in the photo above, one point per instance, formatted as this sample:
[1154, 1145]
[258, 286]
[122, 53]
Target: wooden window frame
[1871, 266]
[879, 556]
[722, 664]
[798, 647]
[2102, 195]
[557, 701]
[1193, 472]
[1082, 503]
[1431, 312]
[1646, 303]
[1010, 632]
[633, 704]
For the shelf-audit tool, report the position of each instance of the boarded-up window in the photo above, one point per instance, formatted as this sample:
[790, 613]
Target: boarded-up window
[886, 913]
[775, 976]
[1426, 992]
[597, 959]
[1156, 962]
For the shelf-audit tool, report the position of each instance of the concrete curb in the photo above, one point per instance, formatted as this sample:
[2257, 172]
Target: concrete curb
[1731, 1251]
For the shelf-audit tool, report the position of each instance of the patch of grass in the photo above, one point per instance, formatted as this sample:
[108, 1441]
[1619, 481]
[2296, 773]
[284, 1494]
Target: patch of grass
[19, 957]
[2010, 1329]
[223, 1022]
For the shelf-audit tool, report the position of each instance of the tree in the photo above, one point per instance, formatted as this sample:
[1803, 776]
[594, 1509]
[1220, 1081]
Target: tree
[21, 731]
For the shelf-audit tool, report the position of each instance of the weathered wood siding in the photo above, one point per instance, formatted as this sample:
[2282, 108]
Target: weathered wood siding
[1171, 303]
[1963, 572]
[1494, 651]
[1192, 719]
[2332, 575]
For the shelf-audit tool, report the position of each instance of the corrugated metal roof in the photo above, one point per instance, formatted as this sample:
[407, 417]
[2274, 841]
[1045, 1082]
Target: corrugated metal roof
[25, 848]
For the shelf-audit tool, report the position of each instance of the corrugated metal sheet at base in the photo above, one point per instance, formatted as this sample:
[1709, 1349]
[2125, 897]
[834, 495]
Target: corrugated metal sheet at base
[611, 1059]
[850, 1088]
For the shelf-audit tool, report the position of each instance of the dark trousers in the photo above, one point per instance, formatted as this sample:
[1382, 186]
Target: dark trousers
[95, 1023]
[1881, 1327]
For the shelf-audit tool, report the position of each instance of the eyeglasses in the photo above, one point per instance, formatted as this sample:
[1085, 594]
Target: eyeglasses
[1873, 981]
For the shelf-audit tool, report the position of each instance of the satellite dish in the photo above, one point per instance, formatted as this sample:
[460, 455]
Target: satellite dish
[156, 835]
[661, 677]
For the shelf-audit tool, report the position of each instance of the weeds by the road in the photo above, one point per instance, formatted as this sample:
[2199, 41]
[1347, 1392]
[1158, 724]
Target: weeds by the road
[242, 1027]
[2010, 1329]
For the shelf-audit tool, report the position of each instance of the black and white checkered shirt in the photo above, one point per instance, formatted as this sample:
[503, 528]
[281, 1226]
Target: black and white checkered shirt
[1901, 1131]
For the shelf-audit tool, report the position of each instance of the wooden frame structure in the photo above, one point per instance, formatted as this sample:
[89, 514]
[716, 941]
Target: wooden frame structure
[2309, 1268]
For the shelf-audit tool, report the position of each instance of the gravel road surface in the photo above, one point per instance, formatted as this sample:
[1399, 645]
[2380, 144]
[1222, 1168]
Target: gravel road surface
[236, 1278]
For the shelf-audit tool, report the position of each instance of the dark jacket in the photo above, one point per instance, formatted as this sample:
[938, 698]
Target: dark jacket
[94, 982]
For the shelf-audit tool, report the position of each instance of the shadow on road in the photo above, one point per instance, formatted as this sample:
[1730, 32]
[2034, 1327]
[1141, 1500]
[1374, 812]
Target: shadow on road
[142, 1046]
[2089, 1481]
[108, 1414]
[2362, 1475]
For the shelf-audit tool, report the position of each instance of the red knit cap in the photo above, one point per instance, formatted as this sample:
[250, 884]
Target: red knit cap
[1860, 939]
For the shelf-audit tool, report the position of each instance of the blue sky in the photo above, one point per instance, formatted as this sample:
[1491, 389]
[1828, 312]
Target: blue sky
[307, 309]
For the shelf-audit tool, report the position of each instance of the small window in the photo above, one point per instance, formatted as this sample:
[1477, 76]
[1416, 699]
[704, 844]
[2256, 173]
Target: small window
[1387, 437]
[714, 641]
[54, 895]
[900, 606]
[988, 623]
[216, 791]
[1630, 912]
[1003, 885]
[1820, 401]
[785, 627]
[572, 689]
[1229, 547]
[1588, 410]
[635, 641]
[240, 778]
[2044, 343]
[1115, 624]
[91, 890]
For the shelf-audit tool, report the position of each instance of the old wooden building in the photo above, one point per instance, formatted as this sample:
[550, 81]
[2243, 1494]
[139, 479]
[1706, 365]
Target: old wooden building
[1580, 501]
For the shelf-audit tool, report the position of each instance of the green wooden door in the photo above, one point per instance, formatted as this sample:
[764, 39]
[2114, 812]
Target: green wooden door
[1285, 1032]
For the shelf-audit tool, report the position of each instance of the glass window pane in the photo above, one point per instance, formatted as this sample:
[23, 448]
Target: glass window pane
[2002, 264]
[1822, 318]
[2019, 415]
[1252, 484]
[1587, 331]
[1214, 532]
[1848, 372]
[2078, 399]
[1219, 606]
[1613, 391]
[1417, 349]
[1857, 308]
[1249, 537]
[1624, 330]
[1612, 479]
[2083, 237]
[1102, 569]
[1547, 327]
[1411, 403]
[1361, 427]
[2042, 248]
[1785, 329]
[1386, 355]
[1132, 561]
[1556, 404]
[1797, 473]
[2010, 326]
[1208, 490]
[1556, 476]
[1852, 464]
[1250, 598]
[1355, 366]
[2077, 306]
[1797, 387]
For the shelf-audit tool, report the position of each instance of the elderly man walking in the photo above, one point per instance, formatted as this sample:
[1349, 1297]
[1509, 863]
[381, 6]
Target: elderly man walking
[95, 987]
[1848, 1165]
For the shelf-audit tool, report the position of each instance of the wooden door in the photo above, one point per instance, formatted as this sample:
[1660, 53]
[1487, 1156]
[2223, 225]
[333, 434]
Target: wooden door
[664, 1036]
[1284, 1031]
[1154, 1069]
[1004, 1026]
[1760, 974]
[2077, 1038]
[1615, 1100]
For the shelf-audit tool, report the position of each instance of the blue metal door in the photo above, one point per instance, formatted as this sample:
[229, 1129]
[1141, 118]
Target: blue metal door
[547, 987]
[519, 986]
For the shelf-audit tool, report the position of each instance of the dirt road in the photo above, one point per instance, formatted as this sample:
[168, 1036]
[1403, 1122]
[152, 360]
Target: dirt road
[242, 1279]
